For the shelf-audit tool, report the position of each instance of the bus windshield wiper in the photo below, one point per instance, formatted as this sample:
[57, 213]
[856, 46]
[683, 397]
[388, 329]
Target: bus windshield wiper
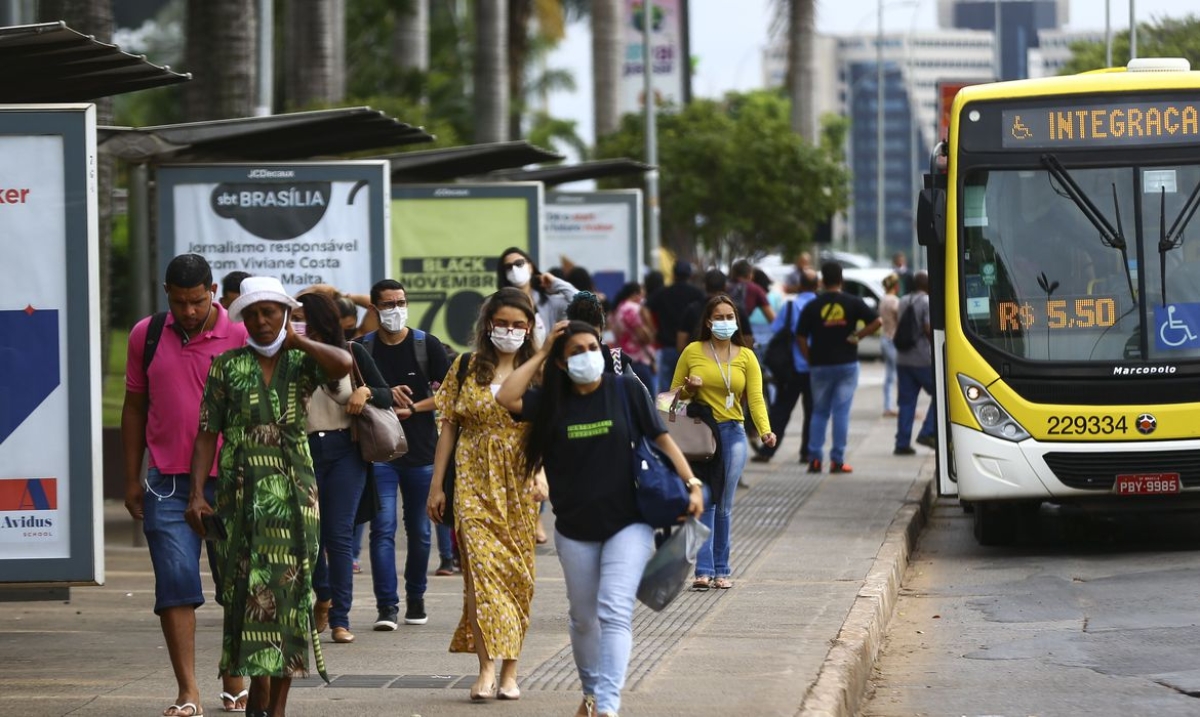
[1110, 236]
[1173, 239]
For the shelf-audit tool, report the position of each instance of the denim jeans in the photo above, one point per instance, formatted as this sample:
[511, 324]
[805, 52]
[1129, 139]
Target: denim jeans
[412, 484]
[341, 476]
[668, 356]
[602, 580]
[713, 560]
[888, 349]
[833, 392]
[912, 380]
[174, 546]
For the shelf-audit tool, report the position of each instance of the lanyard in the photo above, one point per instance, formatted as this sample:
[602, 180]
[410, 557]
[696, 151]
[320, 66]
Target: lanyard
[727, 379]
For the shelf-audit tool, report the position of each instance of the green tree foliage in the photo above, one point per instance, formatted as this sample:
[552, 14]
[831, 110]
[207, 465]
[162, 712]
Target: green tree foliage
[1164, 37]
[735, 180]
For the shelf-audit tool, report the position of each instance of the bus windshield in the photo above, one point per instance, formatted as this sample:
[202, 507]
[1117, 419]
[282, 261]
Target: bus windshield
[1067, 264]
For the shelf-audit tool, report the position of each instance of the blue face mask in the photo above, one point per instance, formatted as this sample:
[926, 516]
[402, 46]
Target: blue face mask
[725, 328]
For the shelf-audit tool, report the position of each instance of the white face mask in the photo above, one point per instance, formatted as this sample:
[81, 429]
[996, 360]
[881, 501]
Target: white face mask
[520, 275]
[586, 367]
[272, 348]
[724, 329]
[394, 320]
[506, 342]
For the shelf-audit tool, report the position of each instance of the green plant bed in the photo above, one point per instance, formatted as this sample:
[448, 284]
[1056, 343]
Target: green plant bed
[114, 381]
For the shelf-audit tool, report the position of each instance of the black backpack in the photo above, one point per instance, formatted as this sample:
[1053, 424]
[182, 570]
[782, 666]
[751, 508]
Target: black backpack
[779, 358]
[908, 331]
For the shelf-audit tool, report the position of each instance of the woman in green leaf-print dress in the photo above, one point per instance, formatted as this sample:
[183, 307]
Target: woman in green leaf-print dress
[256, 398]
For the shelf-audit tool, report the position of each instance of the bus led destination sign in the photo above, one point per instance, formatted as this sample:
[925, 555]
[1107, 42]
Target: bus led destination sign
[1136, 123]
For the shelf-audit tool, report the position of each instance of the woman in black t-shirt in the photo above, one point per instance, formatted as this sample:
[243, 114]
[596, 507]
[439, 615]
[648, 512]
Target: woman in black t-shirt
[580, 435]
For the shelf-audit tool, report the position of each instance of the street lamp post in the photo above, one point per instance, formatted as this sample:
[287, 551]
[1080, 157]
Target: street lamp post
[652, 214]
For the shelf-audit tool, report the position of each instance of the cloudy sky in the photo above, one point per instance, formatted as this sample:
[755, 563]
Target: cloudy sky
[728, 37]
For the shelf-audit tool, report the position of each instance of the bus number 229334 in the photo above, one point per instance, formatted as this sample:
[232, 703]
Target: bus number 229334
[1085, 425]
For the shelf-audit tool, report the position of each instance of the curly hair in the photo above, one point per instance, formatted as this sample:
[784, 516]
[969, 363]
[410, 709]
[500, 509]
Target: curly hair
[586, 307]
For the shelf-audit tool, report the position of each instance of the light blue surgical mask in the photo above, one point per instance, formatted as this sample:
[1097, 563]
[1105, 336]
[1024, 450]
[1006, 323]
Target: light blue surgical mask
[724, 328]
[586, 367]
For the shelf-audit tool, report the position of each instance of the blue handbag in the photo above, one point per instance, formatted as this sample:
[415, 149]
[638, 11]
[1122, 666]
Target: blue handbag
[662, 496]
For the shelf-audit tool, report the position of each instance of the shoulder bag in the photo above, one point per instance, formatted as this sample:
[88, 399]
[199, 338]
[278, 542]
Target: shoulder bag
[693, 436]
[667, 572]
[378, 431]
[662, 496]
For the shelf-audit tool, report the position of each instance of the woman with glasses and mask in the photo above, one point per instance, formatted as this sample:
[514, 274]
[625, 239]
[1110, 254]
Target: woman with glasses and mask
[549, 294]
[257, 398]
[719, 370]
[495, 494]
[579, 433]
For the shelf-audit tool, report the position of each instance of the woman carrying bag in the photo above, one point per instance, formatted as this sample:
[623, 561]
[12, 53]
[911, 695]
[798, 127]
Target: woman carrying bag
[579, 434]
[718, 370]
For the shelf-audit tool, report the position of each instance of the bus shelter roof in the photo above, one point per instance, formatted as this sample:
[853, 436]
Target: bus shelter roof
[296, 135]
[450, 163]
[50, 62]
[562, 174]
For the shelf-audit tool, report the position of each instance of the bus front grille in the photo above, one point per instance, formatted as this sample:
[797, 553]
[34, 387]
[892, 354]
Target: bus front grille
[1099, 471]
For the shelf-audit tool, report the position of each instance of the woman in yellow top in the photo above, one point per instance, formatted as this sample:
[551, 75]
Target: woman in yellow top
[718, 370]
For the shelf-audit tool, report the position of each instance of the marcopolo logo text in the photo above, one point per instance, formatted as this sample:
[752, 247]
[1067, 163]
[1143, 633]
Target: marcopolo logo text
[1142, 370]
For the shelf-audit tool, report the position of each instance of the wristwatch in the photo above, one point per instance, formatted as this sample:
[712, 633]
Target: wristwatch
[694, 483]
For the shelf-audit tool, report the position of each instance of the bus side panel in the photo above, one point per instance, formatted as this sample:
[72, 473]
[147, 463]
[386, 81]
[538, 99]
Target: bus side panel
[947, 478]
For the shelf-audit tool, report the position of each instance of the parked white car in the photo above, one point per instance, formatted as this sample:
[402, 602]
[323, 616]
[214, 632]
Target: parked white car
[868, 285]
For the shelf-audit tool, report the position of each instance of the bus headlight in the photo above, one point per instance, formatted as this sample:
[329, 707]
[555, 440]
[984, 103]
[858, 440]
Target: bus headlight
[994, 420]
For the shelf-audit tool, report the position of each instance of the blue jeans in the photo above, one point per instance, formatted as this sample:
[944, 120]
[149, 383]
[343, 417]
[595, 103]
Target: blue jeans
[412, 484]
[668, 356]
[602, 580]
[341, 476]
[889, 371]
[833, 392]
[912, 380]
[174, 546]
[713, 560]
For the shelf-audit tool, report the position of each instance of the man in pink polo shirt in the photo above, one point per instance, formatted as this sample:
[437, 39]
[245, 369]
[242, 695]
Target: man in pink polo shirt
[162, 414]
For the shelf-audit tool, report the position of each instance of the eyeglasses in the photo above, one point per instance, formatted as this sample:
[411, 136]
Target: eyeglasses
[509, 328]
[517, 264]
[388, 305]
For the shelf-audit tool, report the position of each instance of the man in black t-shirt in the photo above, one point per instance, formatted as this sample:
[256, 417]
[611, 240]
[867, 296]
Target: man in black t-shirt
[413, 363]
[668, 305]
[828, 336]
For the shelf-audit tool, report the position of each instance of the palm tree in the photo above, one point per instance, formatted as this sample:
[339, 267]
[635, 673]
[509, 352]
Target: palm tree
[491, 71]
[797, 16]
[221, 42]
[315, 50]
[410, 39]
[607, 55]
[95, 17]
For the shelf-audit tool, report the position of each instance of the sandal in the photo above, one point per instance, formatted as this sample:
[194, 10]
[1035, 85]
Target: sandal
[234, 703]
[187, 709]
[722, 583]
[701, 584]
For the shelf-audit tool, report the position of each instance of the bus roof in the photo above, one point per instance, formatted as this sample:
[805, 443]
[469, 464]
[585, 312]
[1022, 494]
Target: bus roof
[1116, 79]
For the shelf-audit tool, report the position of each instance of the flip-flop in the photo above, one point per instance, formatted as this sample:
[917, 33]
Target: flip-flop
[195, 710]
[234, 699]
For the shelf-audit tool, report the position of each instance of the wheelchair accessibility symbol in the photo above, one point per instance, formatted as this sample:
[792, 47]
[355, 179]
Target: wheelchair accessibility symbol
[1019, 130]
[1175, 322]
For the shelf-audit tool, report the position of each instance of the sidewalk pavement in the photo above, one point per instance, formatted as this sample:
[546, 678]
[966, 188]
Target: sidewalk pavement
[817, 564]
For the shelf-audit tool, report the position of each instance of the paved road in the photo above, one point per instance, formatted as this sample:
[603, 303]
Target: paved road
[1096, 617]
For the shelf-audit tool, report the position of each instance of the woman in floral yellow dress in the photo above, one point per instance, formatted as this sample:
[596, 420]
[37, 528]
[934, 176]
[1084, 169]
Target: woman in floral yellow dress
[495, 498]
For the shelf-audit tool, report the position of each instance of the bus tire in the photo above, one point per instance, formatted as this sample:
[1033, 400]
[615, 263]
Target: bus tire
[995, 523]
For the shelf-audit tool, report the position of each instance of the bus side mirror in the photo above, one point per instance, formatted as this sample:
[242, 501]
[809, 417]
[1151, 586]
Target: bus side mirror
[931, 218]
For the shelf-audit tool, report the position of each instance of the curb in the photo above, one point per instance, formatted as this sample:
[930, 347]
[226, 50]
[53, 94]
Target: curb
[842, 681]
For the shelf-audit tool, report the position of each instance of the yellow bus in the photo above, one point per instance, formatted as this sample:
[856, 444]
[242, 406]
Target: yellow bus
[1064, 252]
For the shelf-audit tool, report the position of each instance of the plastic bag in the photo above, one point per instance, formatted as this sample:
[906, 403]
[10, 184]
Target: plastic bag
[668, 570]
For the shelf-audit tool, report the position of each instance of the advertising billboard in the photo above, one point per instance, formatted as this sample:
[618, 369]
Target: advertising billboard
[51, 519]
[600, 231]
[446, 244]
[303, 223]
[667, 55]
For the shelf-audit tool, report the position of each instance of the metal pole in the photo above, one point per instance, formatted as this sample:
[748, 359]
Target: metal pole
[880, 186]
[266, 66]
[1132, 31]
[1108, 33]
[652, 208]
[139, 239]
[999, 59]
